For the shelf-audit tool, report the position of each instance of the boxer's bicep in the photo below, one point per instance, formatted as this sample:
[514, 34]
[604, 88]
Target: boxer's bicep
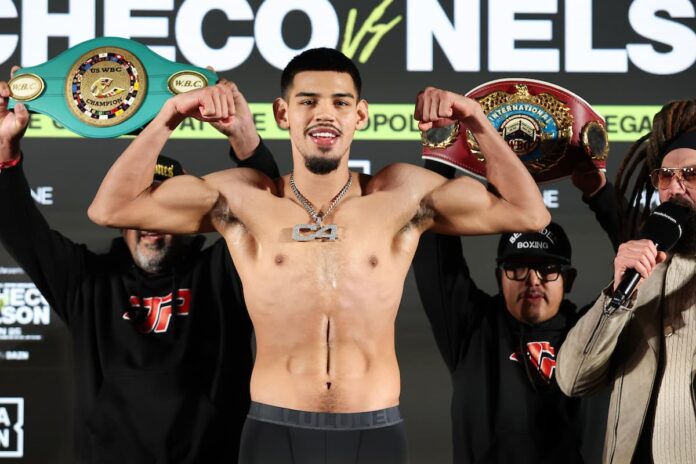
[178, 205]
[464, 206]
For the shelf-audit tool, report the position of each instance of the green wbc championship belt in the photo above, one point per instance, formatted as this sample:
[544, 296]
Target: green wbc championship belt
[105, 87]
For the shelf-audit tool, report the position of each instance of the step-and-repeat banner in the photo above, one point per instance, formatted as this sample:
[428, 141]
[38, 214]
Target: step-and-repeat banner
[624, 57]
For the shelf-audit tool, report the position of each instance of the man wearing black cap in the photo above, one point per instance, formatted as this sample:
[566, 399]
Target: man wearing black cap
[501, 350]
[160, 332]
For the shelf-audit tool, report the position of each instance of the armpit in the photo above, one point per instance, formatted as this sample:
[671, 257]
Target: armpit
[424, 213]
[222, 214]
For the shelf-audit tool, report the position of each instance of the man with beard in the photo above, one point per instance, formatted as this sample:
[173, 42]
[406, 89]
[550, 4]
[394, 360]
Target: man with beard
[501, 349]
[161, 337]
[322, 252]
[646, 349]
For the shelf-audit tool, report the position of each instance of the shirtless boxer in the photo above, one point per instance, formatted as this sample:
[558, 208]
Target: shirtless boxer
[322, 293]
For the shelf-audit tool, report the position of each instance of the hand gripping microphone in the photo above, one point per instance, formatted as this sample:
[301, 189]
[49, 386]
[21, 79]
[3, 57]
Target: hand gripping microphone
[663, 228]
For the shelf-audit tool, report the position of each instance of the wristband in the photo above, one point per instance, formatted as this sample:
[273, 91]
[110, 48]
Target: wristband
[10, 164]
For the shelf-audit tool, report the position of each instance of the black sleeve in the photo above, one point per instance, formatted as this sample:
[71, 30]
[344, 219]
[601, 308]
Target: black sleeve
[54, 263]
[448, 294]
[606, 209]
[450, 297]
[261, 160]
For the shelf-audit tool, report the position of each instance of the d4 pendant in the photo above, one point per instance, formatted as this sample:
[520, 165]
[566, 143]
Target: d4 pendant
[309, 232]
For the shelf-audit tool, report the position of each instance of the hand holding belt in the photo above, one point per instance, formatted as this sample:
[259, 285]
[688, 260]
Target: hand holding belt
[105, 87]
[550, 128]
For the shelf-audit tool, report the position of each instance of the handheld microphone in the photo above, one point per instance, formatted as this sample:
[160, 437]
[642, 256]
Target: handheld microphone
[663, 228]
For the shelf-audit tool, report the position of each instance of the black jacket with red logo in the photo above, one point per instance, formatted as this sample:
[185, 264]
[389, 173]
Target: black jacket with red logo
[506, 406]
[157, 381]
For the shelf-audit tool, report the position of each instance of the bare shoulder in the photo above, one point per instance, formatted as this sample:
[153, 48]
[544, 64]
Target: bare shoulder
[240, 179]
[405, 176]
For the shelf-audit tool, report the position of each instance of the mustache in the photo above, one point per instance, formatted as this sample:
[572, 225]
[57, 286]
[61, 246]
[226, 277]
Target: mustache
[530, 292]
[323, 126]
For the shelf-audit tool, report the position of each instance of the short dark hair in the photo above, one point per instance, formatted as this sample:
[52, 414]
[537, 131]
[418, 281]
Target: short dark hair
[319, 59]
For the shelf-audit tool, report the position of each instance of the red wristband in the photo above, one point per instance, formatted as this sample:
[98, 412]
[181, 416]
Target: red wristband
[11, 163]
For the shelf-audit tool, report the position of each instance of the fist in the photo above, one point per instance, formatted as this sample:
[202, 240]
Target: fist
[641, 255]
[587, 178]
[210, 104]
[13, 123]
[438, 108]
[241, 117]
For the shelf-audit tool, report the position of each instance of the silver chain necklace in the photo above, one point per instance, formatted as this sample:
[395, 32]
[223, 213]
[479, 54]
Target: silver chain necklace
[317, 231]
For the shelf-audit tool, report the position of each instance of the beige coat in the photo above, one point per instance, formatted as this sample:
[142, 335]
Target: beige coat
[622, 349]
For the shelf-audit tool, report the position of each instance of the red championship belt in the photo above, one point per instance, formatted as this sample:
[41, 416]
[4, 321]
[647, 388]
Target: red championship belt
[550, 128]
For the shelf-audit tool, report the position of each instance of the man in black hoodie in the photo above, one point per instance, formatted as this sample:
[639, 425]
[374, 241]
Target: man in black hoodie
[160, 332]
[501, 350]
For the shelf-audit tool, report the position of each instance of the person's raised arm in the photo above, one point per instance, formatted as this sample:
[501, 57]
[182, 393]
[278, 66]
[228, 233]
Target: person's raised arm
[247, 149]
[53, 262]
[463, 205]
[127, 198]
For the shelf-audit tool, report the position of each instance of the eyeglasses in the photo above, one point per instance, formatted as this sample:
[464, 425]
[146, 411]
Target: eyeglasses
[545, 272]
[662, 177]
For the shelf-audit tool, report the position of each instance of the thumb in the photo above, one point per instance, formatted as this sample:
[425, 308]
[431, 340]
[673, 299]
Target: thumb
[21, 116]
[661, 257]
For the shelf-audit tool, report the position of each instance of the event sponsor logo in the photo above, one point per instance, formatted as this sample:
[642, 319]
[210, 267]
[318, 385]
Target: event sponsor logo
[520, 34]
[11, 427]
[21, 304]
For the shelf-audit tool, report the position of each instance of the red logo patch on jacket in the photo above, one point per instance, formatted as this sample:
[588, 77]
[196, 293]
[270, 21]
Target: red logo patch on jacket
[542, 356]
[159, 310]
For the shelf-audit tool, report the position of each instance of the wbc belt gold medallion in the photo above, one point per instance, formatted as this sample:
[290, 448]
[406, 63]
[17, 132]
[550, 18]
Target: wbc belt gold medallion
[107, 86]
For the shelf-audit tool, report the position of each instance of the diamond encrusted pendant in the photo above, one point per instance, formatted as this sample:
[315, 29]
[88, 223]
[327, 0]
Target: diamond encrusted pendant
[317, 231]
[309, 232]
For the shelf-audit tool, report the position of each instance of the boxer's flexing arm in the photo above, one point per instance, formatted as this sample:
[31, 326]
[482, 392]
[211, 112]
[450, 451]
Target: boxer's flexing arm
[464, 206]
[126, 198]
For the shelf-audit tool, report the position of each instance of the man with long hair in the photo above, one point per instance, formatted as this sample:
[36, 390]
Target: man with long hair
[645, 349]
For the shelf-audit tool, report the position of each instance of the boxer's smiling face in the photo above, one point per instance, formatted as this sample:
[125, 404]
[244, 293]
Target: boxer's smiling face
[322, 110]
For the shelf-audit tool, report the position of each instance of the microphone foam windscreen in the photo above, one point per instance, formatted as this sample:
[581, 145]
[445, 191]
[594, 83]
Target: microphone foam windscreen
[663, 226]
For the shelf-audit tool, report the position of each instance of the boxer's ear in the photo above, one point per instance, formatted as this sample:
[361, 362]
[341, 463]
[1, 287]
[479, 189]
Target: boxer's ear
[280, 111]
[363, 113]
